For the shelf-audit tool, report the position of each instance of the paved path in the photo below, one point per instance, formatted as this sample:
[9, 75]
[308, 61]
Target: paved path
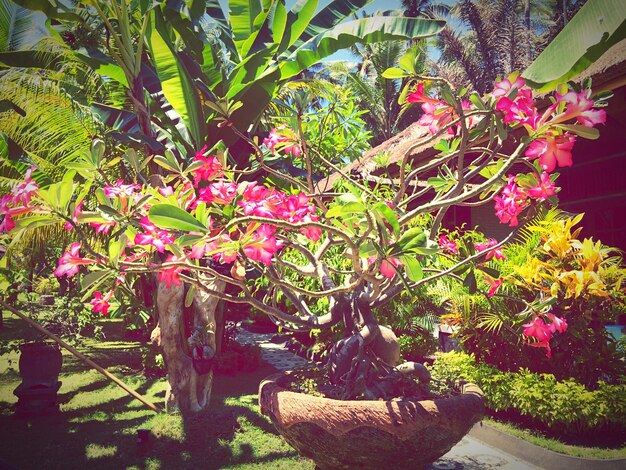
[469, 454]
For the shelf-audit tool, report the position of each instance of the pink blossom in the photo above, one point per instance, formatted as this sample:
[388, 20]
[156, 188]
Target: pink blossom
[260, 201]
[495, 285]
[544, 189]
[312, 233]
[286, 136]
[153, 236]
[552, 150]
[102, 227]
[23, 192]
[170, 274]
[580, 106]
[210, 169]
[121, 190]
[511, 203]
[448, 245]
[558, 324]
[520, 110]
[78, 210]
[260, 244]
[166, 191]
[220, 192]
[497, 252]
[295, 208]
[536, 328]
[101, 304]
[223, 249]
[387, 268]
[504, 88]
[70, 262]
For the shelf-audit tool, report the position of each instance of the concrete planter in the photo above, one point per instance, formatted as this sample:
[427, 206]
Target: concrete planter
[400, 433]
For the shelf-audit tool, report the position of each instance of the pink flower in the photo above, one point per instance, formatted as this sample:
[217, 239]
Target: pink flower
[78, 210]
[495, 285]
[580, 106]
[101, 304]
[544, 189]
[121, 190]
[504, 88]
[210, 168]
[170, 274]
[537, 329]
[520, 110]
[276, 137]
[448, 245]
[260, 201]
[511, 203]
[166, 191]
[558, 324]
[70, 262]
[543, 344]
[153, 236]
[552, 150]
[497, 252]
[387, 267]
[260, 244]
[220, 192]
[312, 233]
[102, 227]
[22, 193]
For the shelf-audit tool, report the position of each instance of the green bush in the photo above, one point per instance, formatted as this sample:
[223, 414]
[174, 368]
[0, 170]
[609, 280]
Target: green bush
[566, 403]
[417, 346]
[46, 286]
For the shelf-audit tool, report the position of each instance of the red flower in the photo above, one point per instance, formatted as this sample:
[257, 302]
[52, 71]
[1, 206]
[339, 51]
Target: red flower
[220, 192]
[448, 245]
[261, 244]
[210, 168]
[286, 136]
[495, 285]
[22, 193]
[101, 304]
[170, 274]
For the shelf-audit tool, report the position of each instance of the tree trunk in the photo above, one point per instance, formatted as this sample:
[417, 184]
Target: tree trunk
[187, 339]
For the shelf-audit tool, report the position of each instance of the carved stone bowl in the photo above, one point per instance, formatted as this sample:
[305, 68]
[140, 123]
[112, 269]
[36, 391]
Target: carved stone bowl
[398, 433]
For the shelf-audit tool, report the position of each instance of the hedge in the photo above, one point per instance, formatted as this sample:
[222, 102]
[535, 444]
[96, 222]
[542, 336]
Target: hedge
[538, 396]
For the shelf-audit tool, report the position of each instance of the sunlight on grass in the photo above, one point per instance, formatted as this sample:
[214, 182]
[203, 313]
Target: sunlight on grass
[97, 416]
[97, 451]
[557, 446]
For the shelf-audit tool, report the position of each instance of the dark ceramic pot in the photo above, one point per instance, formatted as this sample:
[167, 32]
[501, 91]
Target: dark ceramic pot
[398, 434]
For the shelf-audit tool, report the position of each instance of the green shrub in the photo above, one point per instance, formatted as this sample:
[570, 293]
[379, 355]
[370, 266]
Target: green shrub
[566, 404]
[46, 286]
[417, 346]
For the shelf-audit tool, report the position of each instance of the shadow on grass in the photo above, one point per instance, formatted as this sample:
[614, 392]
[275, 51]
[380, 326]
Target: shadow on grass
[97, 425]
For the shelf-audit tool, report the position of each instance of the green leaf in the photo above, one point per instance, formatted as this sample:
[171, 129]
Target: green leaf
[347, 34]
[585, 132]
[20, 28]
[597, 26]
[178, 86]
[470, 282]
[494, 273]
[394, 72]
[173, 217]
[346, 209]
[242, 14]
[383, 212]
[367, 250]
[190, 295]
[413, 268]
[412, 238]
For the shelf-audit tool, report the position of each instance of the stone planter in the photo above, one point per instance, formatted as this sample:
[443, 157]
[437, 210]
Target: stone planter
[40, 365]
[398, 434]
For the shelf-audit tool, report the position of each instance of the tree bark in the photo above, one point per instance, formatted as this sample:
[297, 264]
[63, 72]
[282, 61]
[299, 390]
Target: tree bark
[187, 338]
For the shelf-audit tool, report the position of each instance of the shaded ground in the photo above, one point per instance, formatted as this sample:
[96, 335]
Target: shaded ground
[98, 423]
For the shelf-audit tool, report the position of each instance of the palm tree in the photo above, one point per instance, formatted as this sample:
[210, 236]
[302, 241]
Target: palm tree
[496, 38]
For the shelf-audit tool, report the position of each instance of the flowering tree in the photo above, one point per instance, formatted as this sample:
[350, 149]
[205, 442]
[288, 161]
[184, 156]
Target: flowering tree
[210, 232]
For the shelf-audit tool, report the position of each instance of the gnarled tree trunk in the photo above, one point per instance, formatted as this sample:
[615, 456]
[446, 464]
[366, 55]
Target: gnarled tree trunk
[187, 339]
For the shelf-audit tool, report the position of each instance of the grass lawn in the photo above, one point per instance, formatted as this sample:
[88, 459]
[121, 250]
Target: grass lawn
[98, 422]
